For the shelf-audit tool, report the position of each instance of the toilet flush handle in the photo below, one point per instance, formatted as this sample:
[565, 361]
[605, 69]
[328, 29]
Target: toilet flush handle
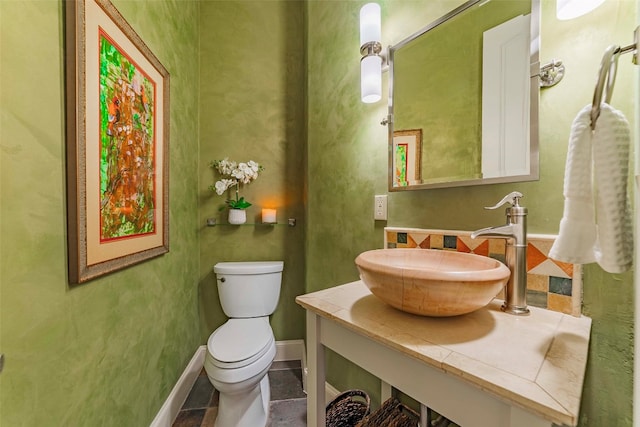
[222, 279]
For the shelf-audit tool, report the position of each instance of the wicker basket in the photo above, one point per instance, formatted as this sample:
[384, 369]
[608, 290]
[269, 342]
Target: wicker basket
[392, 413]
[347, 409]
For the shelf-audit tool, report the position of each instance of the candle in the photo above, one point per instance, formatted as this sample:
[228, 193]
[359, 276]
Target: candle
[269, 216]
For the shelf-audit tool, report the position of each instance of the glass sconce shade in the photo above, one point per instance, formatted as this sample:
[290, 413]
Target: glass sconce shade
[371, 78]
[370, 23]
[371, 62]
[569, 9]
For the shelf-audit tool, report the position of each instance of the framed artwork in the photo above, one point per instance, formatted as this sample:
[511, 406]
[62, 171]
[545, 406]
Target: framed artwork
[407, 157]
[117, 144]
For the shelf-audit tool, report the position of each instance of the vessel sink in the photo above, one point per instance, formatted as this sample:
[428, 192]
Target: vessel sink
[432, 282]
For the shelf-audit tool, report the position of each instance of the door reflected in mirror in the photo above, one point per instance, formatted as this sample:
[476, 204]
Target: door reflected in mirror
[443, 130]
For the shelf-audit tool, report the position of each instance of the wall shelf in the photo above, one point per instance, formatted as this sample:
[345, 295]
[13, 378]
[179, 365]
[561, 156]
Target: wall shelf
[212, 222]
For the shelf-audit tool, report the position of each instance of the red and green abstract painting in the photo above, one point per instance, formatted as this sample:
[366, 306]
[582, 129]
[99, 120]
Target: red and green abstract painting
[401, 154]
[127, 139]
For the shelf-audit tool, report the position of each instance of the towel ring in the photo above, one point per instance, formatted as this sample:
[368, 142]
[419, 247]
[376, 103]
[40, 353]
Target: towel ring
[606, 74]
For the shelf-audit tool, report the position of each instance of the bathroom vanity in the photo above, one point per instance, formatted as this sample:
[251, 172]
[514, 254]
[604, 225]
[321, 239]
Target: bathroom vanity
[483, 369]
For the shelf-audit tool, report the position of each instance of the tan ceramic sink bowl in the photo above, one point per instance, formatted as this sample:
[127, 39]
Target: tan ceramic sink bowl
[432, 282]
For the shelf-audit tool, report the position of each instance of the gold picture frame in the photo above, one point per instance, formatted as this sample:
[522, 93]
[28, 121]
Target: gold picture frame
[117, 144]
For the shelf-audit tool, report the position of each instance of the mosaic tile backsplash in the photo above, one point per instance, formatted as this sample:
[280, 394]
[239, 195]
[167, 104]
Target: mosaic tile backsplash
[551, 284]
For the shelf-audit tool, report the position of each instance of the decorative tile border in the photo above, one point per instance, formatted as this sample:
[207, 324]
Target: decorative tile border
[551, 284]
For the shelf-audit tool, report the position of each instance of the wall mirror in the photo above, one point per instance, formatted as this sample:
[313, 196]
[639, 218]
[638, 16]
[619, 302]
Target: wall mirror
[463, 98]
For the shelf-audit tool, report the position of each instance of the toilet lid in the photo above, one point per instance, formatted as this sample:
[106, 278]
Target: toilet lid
[240, 339]
[249, 267]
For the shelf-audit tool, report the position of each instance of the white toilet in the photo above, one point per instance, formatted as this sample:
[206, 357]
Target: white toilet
[240, 352]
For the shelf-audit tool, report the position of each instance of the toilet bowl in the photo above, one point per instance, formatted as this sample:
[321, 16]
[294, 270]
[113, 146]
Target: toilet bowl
[240, 352]
[239, 355]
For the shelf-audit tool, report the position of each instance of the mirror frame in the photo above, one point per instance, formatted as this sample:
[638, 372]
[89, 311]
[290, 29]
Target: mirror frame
[534, 87]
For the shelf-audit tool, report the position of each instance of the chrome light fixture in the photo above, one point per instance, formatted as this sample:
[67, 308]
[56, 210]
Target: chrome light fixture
[370, 48]
[569, 9]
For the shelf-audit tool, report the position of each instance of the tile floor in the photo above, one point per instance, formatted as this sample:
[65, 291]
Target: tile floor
[288, 401]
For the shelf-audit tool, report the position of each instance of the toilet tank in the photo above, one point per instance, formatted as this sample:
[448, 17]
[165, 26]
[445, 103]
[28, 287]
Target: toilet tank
[249, 289]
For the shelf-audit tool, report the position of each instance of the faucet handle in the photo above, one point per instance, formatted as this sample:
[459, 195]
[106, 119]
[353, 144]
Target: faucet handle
[513, 198]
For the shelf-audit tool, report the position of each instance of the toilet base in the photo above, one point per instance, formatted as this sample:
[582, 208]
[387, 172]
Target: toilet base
[248, 409]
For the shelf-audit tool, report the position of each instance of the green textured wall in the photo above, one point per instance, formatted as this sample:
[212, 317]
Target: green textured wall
[252, 108]
[348, 165]
[106, 353]
[608, 298]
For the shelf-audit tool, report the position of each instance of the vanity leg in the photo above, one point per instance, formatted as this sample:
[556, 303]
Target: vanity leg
[385, 391]
[424, 416]
[315, 374]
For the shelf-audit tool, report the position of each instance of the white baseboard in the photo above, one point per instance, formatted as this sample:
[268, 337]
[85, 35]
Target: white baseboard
[330, 393]
[285, 350]
[290, 350]
[169, 410]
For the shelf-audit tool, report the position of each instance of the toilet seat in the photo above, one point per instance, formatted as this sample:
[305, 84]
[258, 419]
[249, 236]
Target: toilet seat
[239, 350]
[224, 378]
[240, 342]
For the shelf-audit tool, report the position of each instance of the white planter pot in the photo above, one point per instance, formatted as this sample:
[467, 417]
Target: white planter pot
[237, 216]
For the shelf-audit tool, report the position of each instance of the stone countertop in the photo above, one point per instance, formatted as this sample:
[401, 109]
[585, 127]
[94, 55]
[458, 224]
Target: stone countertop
[536, 362]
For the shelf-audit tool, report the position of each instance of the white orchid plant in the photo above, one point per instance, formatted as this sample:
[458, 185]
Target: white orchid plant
[234, 174]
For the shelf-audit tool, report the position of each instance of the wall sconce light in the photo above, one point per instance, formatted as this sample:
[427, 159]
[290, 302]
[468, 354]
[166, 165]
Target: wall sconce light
[269, 216]
[569, 9]
[370, 48]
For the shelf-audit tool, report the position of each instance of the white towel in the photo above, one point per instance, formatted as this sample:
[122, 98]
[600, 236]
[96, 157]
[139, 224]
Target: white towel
[600, 233]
